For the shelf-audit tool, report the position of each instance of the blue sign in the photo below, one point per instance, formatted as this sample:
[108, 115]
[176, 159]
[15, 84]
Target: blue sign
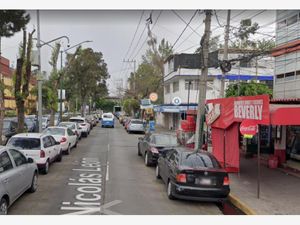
[151, 125]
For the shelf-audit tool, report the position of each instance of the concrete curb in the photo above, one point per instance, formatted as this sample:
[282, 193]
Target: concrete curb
[241, 205]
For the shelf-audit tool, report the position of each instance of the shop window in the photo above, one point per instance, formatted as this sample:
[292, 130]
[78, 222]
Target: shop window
[292, 20]
[176, 86]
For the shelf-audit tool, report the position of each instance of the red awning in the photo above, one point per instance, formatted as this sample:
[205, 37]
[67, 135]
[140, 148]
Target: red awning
[284, 114]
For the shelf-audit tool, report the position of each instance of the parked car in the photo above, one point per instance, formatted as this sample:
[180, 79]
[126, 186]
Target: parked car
[82, 122]
[9, 129]
[127, 123]
[31, 124]
[74, 127]
[65, 136]
[42, 148]
[192, 175]
[136, 125]
[45, 122]
[56, 119]
[108, 120]
[17, 175]
[152, 144]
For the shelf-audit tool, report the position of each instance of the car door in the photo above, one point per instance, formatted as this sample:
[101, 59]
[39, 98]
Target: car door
[56, 148]
[20, 162]
[48, 148]
[145, 143]
[9, 176]
[164, 165]
[72, 137]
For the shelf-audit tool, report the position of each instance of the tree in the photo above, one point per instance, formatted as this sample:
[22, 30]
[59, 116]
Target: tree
[11, 22]
[105, 104]
[247, 89]
[214, 44]
[22, 79]
[84, 73]
[131, 106]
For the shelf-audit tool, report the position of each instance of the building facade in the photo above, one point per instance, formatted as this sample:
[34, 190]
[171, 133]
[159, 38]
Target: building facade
[287, 54]
[181, 80]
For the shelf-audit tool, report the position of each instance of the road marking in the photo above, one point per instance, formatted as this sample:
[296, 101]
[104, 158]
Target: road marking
[107, 172]
[66, 203]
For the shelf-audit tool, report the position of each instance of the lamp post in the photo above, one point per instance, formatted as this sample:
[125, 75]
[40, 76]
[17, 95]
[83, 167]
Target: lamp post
[40, 79]
[61, 76]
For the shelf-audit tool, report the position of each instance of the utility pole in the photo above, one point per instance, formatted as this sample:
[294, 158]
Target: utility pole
[134, 68]
[60, 86]
[40, 79]
[203, 81]
[225, 54]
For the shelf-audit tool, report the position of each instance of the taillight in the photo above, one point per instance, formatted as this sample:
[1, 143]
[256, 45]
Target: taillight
[154, 150]
[181, 177]
[42, 154]
[226, 181]
[63, 140]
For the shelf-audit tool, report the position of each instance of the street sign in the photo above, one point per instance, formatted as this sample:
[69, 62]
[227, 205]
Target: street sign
[248, 128]
[176, 101]
[153, 97]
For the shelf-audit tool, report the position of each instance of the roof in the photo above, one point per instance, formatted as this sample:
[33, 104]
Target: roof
[29, 135]
[77, 117]
[281, 114]
[54, 127]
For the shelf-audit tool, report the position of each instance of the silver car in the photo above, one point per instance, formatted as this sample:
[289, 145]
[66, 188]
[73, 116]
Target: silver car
[17, 175]
[136, 125]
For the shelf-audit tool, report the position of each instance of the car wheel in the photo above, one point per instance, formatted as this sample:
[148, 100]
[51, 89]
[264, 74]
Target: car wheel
[139, 150]
[3, 206]
[59, 158]
[147, 160]
[69, 150]
[170, 191]
[46, 168]
[34, 183]
[157, 172]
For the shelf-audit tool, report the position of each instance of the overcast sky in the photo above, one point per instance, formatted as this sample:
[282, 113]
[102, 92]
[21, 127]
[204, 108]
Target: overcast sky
[112, 32]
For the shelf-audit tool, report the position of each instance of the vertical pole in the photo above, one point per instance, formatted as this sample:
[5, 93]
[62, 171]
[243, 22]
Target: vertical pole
[203, 81]
[258, 162]
[134, 61]
[60, 86]
[224, 148]
[225, 56]
[40, 81]
[2, 100]
[189, 89]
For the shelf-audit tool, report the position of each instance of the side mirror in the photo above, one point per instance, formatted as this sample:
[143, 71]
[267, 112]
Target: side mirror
[57, 143]
[30, 160]
[140, 139]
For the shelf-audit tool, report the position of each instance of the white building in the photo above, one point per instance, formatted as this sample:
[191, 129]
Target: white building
[287, 54]
[180, 69]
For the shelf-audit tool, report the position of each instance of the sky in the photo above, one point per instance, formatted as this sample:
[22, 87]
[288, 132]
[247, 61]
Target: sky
[112, 32]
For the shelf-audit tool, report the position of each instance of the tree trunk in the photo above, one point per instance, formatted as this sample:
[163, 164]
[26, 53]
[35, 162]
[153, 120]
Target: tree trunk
[21, 115]
[2, 106]
[52, 117]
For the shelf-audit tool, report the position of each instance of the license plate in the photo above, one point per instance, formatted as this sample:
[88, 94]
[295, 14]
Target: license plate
[203, 181]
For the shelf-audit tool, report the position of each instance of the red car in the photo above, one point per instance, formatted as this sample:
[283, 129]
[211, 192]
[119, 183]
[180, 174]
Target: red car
[127, 123]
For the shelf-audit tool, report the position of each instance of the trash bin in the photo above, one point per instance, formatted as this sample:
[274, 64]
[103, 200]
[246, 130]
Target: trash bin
[273, 162]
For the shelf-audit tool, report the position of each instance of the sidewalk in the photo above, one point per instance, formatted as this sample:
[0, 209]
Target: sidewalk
[279, 192]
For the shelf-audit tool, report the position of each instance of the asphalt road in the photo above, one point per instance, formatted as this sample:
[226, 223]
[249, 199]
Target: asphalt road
[105, 176]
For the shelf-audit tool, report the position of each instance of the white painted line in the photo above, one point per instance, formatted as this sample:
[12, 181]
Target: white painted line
[107, 172]
[71, 179]
[66, 203]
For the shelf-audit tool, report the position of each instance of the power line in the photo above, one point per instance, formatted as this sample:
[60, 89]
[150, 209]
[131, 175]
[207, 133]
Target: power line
[184, 29]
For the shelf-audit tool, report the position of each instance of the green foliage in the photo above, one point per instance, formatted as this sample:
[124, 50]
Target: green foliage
[12, 21]
[10, 113]
[214, 44]
[247, 89]
[131, 105]
[105, 104]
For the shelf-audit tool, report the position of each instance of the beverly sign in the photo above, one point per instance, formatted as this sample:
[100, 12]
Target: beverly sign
[248, 109]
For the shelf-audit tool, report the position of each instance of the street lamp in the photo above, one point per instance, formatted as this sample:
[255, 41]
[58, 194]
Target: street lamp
[60, 79]
[39, 78]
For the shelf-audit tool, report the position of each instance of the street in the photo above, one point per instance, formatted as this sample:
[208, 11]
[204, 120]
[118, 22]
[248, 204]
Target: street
[104, 175]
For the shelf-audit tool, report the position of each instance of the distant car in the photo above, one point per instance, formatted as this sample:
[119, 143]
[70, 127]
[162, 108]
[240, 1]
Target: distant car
[192, 175]
[136, 125]
[152, 144]
[65, 136]
[108, 120]
[45, 122]
[42, 148]
[17, 175]
[56, 120]
[9, 129]
[31, 124]
[83, 123]
[74, 127]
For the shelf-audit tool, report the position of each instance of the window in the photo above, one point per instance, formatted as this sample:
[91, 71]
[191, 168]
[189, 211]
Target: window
[70, 133]
[5, 162]
[196, 160]
[292, 20]
[18, 157]
[187, 84]
[47, 142]
[165, 140]
[167, 88]
[25, 143]
[176, 86]
[55, 131]
[281, 24]
[196, 85]
[53, 142]
[290, 76]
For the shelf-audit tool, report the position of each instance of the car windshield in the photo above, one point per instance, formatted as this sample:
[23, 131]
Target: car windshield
[55, 131]
[29, 122]
[165, 140]
[136, 121]
[198, 160]
[25, 143]
[77, 120]
[107, 116]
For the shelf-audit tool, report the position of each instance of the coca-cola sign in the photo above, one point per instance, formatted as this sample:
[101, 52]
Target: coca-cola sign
[249, 127]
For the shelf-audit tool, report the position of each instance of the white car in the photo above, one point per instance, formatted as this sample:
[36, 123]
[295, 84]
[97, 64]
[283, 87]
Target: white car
[17, 175]
[83, 123]
[74, 127]
[42, 148]
[65, 136]
[45, 122]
